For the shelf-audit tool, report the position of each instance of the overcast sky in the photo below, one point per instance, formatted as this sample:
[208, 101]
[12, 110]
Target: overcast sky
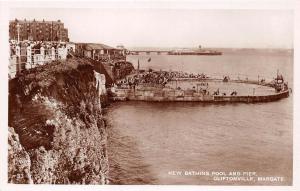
[172, 27]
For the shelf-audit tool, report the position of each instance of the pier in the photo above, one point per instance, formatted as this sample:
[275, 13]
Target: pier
[148, 52]
[182, 51]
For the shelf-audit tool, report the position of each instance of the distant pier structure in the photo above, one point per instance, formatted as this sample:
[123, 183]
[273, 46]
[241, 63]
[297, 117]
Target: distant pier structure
[182, 51]
[148, 52]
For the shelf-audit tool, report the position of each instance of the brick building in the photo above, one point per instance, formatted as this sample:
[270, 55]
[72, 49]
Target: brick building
[38, 30]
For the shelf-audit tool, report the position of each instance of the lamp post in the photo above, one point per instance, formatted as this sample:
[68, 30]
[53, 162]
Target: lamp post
[18, 31]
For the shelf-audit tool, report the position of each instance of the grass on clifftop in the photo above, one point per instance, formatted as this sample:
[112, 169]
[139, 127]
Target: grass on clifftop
[45, 74]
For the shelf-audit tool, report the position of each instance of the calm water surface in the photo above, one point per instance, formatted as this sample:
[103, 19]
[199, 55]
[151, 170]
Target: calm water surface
[148, 140]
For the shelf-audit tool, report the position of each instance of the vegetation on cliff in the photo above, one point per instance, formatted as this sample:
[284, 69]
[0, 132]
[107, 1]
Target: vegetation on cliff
[57, 132]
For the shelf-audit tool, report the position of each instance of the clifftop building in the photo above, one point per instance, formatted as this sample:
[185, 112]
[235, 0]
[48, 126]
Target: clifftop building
[38, 30]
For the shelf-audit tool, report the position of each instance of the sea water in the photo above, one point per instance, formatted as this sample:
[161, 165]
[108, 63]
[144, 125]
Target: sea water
[198, 143]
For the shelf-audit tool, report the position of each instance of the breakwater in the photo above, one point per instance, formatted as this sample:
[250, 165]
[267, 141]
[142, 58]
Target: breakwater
[171, 94]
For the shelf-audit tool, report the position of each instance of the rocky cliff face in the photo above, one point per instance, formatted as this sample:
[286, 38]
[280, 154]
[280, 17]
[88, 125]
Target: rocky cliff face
[18, 159]
[57, 133]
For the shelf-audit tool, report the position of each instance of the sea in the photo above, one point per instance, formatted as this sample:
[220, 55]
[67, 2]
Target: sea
[184, 143]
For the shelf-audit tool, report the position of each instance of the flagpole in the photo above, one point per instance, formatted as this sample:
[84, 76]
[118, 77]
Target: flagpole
[138, 67]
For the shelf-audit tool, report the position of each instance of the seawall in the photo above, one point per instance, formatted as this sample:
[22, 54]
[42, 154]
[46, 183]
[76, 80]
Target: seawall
[167, 94]
[57, 134]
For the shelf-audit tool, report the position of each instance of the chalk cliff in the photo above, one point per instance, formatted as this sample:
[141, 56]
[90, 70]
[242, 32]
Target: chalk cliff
[57, 134]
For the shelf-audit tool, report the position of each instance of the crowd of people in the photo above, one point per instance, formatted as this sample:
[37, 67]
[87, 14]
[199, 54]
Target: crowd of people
[156, 78]
[161, 78]
[176, 74]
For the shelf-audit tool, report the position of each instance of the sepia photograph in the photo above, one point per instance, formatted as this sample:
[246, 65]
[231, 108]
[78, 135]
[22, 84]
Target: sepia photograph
[149, 95]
